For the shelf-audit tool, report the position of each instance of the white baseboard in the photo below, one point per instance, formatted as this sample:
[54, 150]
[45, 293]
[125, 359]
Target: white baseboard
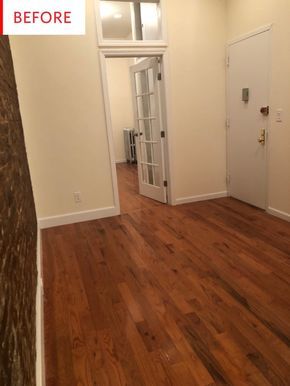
[202, 197]
[40, 365]
[72, 218]
[121, 161]
[279, 213]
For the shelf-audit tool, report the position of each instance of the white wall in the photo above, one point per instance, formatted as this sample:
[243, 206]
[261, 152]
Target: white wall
[197, 34]
[243, 17]
[119, 84]
[62, 108]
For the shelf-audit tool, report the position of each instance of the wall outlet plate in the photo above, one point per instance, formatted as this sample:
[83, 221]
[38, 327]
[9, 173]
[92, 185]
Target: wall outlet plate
[77, 197]
[279, 115]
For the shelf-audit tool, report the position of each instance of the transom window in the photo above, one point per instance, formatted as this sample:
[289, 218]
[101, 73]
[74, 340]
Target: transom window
[131, 20]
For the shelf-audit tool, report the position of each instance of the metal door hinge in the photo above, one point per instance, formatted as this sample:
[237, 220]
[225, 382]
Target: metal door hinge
[162, 133]
[159, 76]
[165, 184]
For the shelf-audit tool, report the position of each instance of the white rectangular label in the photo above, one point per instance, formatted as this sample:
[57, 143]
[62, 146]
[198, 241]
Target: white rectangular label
[44, 17]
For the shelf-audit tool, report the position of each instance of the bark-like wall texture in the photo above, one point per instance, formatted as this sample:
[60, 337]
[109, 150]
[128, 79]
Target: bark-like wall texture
[18, 233]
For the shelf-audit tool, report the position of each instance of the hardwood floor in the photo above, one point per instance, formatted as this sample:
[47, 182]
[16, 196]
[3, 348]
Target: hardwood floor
[182, 296]
[130, 199]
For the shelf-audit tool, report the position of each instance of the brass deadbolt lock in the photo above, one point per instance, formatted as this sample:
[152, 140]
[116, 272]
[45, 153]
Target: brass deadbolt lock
[265, 110]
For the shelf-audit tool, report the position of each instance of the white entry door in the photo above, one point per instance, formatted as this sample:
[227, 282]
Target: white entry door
[248, 100]
[149, 128]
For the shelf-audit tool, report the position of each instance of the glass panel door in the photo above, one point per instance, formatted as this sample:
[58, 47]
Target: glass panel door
[148, 117]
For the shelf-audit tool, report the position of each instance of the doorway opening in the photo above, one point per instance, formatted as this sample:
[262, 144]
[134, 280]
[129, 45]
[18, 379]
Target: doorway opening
[137, 129]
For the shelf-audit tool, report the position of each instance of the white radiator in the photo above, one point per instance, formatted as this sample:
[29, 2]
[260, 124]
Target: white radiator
[130, 145]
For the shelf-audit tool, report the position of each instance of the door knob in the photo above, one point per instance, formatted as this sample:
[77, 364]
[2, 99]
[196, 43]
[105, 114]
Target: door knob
[262, 138]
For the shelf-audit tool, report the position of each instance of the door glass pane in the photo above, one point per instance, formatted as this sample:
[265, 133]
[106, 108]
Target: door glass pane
[146, 152]
[147, 130]
[149, 152]
[141, 128]
[150, 75]
[138, 83]
[143, 104]
[140, 111]
[150, 175]
[152, 106]
[150, 20]
[155, 129]
[145, 177]
[125, 20]
[157, 180]
[141, 82]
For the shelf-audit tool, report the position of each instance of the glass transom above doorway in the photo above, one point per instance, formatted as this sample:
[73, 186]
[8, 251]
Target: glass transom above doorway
[130, 21]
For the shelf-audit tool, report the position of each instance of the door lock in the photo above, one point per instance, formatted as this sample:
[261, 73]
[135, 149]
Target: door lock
[262, 138]
[265, 110]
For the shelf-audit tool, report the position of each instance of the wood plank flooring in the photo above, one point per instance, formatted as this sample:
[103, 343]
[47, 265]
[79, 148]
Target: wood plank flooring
[182, 296]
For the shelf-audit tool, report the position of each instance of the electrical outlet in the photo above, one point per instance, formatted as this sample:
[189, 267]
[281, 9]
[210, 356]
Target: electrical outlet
[77, 197]
[279, 115]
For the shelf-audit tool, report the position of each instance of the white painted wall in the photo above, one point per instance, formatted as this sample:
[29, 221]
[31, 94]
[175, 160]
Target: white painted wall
[243, 17]
[119, 84]
[62, 108]
[197, 35]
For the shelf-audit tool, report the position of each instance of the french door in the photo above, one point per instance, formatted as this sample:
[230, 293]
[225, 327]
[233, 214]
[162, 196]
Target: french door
[150, 131]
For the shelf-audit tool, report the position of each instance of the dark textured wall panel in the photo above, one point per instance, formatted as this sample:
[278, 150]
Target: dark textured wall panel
[18, 232]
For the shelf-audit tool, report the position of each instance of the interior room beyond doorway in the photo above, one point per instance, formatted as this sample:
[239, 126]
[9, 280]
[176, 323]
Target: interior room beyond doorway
[135, 104]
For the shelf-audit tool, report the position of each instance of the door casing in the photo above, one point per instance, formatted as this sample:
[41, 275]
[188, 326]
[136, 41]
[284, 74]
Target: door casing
[258, 31]
[168, 154]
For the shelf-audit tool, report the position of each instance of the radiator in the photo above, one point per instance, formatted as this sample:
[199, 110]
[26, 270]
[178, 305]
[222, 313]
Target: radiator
[130, 145]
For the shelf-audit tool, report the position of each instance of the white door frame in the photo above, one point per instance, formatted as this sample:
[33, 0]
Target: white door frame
[266, 28]
[133, 53]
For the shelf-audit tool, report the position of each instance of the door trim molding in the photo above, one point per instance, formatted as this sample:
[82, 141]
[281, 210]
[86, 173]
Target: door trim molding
[133, 53]
[250, 34]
